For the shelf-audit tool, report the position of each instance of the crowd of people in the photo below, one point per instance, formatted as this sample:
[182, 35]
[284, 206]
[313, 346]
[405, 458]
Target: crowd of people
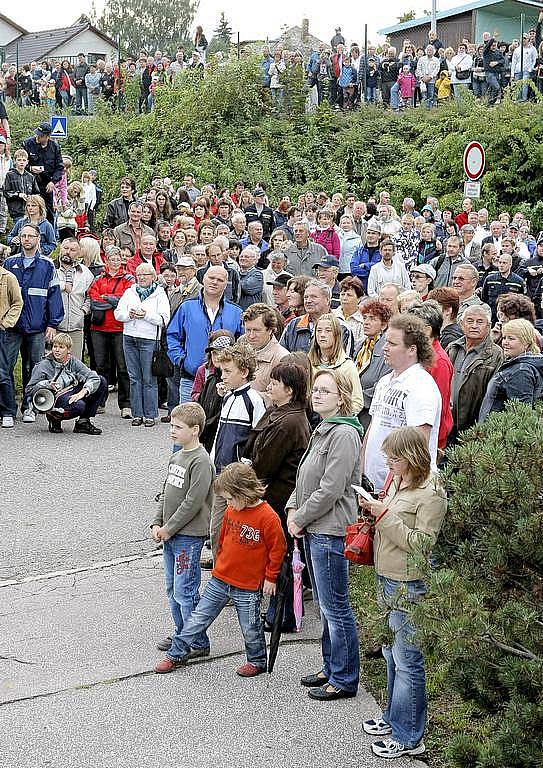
[296, 347]
[344, 75]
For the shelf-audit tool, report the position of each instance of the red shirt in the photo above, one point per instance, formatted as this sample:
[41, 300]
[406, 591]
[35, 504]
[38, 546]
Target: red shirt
[441, 373]
[109, 285]
[461, 219]
[133, 263]
[251, 547]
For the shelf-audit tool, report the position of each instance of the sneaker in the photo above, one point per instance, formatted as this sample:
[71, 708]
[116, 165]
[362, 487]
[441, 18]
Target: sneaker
[197, 653]
[390, 749]
[148, 422]
[137, 422]
[164, 645]
[29, 417]
[168, 665]
[249, 670]
[165, 419]
[8, 422]
[86, 427]
[376, 727]
[54, 426]
[126, 413]
[101, 409]
[111, 388]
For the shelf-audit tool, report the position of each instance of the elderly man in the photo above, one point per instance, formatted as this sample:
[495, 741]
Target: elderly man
[260, 323]
[427, 72]
[501, 281]
[147, 254]
[251, 278]
[75, 280]
[188, 331]
[255, 230]
[495, 236]
[390, 226]
[475, 359]
[327, 271]
[217, 257]
[464, 280]
[389, 295]
[298, 333]
[303, 254]
[259, 211]
[391, 269]
[445, 265]
[367, 255]
[130, 232]
[276, 267]
[471, 249]
[359, 222]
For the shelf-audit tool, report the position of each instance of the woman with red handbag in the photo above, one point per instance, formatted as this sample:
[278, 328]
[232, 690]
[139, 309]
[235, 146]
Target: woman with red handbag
[408, 519]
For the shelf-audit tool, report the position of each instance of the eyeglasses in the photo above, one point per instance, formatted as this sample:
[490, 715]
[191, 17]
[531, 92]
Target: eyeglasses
[393, 460]
[323, 391]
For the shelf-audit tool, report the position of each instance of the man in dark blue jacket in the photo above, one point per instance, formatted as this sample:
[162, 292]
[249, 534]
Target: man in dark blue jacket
[365, 256]
[191, 325]
[43, 310]
[45, 162]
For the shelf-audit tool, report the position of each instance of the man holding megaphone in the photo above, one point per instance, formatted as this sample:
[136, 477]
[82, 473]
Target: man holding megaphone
[63, 387]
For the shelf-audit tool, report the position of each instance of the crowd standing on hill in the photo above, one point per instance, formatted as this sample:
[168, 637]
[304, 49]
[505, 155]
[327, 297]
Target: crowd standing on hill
[296, 347]
[344, 75]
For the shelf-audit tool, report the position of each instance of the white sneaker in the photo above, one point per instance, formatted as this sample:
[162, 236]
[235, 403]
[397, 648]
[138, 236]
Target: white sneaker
[29, 417]
[376, 727]
[126, 413]
[8, 422]
[390, 749]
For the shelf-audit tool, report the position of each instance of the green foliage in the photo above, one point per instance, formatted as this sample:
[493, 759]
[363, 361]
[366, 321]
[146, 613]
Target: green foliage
[144, 25]
[222, 128]
[222, 36]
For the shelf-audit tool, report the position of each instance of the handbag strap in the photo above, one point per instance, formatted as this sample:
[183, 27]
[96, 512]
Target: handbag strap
[386, 486]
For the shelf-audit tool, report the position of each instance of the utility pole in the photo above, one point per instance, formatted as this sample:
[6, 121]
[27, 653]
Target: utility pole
[239, 49]
[119, 78]
[365, 80]
[433, 22]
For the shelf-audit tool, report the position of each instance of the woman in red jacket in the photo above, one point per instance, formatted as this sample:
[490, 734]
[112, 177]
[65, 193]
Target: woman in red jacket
[325, 234]
[106, 331]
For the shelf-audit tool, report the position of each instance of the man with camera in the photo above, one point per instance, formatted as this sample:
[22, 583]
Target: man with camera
[63, 387]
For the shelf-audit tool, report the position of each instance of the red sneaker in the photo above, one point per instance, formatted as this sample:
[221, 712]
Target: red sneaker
[249, 670]
[168, 665]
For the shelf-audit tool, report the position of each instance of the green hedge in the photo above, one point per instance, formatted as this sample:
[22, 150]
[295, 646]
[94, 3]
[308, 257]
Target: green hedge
[222, 128]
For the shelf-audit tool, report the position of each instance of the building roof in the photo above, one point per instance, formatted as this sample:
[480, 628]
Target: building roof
[36, 46]
[13, 24]
[473, 6]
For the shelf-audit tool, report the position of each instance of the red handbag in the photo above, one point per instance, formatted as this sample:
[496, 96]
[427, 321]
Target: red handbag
[359, 536]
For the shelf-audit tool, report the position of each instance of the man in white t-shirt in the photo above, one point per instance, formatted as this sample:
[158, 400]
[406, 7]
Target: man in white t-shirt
[408, 396]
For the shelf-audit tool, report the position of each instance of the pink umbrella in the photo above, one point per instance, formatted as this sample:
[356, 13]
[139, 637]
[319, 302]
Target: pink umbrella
[297, 568]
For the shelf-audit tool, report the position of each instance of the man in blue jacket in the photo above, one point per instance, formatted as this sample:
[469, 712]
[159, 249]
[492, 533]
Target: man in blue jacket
[43, 310]
[189, 328]
[367, 255]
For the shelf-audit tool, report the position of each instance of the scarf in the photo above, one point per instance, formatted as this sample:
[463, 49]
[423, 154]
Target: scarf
[144, 293]
[363, 359]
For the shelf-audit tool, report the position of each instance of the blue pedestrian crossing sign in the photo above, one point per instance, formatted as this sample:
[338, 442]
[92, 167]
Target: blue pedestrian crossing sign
[59, 124]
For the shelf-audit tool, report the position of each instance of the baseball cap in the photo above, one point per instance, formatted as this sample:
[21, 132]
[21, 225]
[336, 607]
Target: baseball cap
[222, 342]
[3, 139]
[281, 280]
[326, 262]
[373, 226]
[424, 269]
[513, 225]
[44, 128]
[185, 261]
[258, 192]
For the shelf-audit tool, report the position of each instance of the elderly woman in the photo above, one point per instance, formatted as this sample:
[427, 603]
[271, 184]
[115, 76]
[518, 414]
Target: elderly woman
[351, 292]
[520, 376]
[319, 509]
[36, 213]
[275, 448]
[143, 309]
[369, 355]
[412, 510]
[326, 352]
[349, 240]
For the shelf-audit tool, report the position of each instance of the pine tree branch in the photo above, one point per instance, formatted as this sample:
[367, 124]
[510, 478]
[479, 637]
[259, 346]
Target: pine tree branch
[523, 653]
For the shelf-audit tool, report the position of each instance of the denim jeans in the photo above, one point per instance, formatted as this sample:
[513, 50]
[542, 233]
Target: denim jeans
[493, 87]
[183, 576]
[523, 92]
[216, 595]
[479, 88]
[173, 388]
[395, 96]
[430, 94]
[9, 349]
[371, 94]
[85, 408]
[32, 348]
[138, 354]
[406, 681]
[185, 389]
[328, 570]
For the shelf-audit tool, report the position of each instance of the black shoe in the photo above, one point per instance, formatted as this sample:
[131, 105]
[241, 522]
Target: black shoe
[311, 681]
[164, 645]
[86, 428]
[197, 653]
[165, 419]
[54, 426]
[374, 653]
[206, 565]
[329, 692]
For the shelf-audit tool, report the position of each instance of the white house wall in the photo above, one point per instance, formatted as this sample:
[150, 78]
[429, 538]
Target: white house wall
[86, 42]
[7, 33]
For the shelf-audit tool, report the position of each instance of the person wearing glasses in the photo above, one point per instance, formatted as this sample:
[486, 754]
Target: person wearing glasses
[319, 509]
[415, 505]
[143, 309]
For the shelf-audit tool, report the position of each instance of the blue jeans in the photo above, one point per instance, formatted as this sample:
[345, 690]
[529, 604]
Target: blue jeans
[32, 347]
[395, 96]
[9, 349]
[479, 88]
[430, 94]
[371, 94]
[328, 570]
[216, 595]
[183, 576]
[406, 681]
[185, 388]
[523, 93]
[493, 87]
[173, 388]
[138, 354]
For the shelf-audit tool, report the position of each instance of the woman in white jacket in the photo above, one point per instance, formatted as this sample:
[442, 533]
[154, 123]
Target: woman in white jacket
[143, 309]
[460, 67]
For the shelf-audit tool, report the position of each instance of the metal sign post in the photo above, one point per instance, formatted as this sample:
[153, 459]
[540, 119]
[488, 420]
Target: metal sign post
[474, 166]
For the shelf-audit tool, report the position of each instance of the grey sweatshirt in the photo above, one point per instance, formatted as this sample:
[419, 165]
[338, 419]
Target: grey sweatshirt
[187, 497]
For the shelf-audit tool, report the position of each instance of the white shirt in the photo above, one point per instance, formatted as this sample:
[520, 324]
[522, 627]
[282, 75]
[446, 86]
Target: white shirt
[381, 275]
[408, 400]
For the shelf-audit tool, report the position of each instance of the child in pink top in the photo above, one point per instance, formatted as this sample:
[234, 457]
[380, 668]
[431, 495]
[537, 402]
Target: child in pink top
[325, 234]
[407, 82]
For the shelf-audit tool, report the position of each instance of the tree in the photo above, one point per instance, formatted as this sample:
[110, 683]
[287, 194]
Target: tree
[222, 36]
[147, 24]
[407, 16]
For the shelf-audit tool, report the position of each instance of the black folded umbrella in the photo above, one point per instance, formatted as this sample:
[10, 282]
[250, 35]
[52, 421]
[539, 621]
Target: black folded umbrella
[284, 581]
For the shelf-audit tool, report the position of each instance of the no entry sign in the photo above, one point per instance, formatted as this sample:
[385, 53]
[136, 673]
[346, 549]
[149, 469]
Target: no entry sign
[474, 160]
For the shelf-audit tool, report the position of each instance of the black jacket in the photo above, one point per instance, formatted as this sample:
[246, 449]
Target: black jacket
[117, 213]
[49, 156]
[14, 184]
[266, 218]
[520, 378]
